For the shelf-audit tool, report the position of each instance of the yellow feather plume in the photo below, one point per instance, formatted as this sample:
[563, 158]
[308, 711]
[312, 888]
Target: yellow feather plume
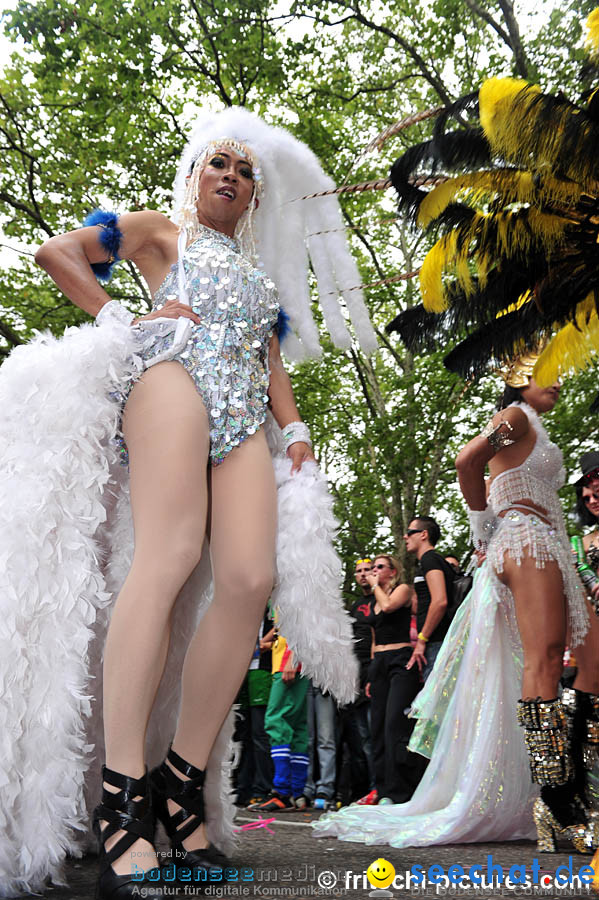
[462, 269]
[526, 297]
[572, 348]
[592, 38]
[536, 131]
[503, 110]
[506, 234]
[440, 257]
[475, 247]
[439, 199]
[510, 186]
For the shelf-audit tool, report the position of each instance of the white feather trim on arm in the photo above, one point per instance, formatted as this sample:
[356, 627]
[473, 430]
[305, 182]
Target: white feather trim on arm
[307, 595]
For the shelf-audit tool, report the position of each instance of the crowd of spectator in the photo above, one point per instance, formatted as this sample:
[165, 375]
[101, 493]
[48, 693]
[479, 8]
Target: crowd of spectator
[297, 747]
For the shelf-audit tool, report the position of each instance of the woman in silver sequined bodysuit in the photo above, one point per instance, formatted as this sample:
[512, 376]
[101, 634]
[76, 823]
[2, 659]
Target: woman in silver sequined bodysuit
[524, 538]
[198, 459]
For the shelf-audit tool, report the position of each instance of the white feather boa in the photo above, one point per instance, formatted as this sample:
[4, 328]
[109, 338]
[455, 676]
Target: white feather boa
[65, 547]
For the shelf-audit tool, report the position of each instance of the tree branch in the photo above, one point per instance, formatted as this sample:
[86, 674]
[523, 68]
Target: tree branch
[375, 89]
[386, 343]
[363, 383]
[17, 204]
[171, 115]
[139, 282]
[488, 18]
[430, 76]
[364, 240]
[522, 65]
[9, 334]
[214, 77]
[217, 73]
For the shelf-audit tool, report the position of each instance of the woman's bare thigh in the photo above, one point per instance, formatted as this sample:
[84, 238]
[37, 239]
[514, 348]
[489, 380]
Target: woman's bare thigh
[165, 425]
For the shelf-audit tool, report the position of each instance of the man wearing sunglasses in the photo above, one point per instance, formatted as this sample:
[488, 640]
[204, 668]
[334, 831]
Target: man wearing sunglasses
[355, 718]
[434, 585]
[359, 611]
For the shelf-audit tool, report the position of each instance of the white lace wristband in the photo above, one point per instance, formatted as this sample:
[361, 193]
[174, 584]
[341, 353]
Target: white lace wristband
[294, 432]
[114, 312]
[154, 331]
[483, 523]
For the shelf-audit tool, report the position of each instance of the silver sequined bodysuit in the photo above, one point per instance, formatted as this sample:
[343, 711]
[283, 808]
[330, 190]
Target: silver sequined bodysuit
[227, 354]
[536, 480]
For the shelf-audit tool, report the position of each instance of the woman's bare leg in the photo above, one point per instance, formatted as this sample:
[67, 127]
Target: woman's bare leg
[166, 429]
[541, 612]
[242, 547]
[540, 607]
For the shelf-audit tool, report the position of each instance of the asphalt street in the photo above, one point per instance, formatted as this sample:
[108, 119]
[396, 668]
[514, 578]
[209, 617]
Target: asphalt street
[284, 860]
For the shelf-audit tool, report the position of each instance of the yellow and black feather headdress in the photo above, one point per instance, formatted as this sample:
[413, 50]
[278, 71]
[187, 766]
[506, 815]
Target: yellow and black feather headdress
[516, 219]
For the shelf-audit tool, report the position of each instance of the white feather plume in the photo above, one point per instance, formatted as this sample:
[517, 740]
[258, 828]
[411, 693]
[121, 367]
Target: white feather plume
[54, 454]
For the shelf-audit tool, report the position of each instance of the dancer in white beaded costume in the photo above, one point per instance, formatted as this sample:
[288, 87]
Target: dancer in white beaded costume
[521, 530]
[526, 598]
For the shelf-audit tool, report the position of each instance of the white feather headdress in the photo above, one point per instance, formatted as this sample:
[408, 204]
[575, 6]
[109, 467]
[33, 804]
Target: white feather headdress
[285, 231]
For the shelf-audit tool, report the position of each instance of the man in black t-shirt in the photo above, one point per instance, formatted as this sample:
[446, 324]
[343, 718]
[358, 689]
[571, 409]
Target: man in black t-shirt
[358, 613]
[434, 587]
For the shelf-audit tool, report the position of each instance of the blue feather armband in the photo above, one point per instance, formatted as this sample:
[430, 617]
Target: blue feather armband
[110, 239]
[282, 327]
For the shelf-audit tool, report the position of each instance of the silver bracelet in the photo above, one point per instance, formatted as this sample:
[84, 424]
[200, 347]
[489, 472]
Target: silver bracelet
[497, 438]
[294, 432]
[114, 312]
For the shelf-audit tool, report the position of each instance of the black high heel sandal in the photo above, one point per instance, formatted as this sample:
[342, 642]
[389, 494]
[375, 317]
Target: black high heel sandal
[189, 796]
[122, 812]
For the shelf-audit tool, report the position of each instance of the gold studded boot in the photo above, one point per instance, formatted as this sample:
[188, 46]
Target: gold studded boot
[558, 813]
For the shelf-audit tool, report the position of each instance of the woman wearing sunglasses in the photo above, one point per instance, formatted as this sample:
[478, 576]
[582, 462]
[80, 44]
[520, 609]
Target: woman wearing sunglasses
[392, 686]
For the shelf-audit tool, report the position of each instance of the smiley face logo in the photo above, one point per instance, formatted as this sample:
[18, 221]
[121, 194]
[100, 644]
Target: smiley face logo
[380, 873]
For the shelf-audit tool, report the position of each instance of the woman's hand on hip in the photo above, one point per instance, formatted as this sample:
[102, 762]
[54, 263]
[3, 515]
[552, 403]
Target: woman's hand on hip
[172, 309]
[299, 453]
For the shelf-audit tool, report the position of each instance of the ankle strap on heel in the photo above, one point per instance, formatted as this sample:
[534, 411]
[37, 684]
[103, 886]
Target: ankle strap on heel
[122, 812]
[187, 793]
[185, 768]
[131, 787]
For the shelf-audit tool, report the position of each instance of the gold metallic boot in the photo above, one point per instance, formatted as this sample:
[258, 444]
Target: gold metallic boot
[558, 813]
[583, 837]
